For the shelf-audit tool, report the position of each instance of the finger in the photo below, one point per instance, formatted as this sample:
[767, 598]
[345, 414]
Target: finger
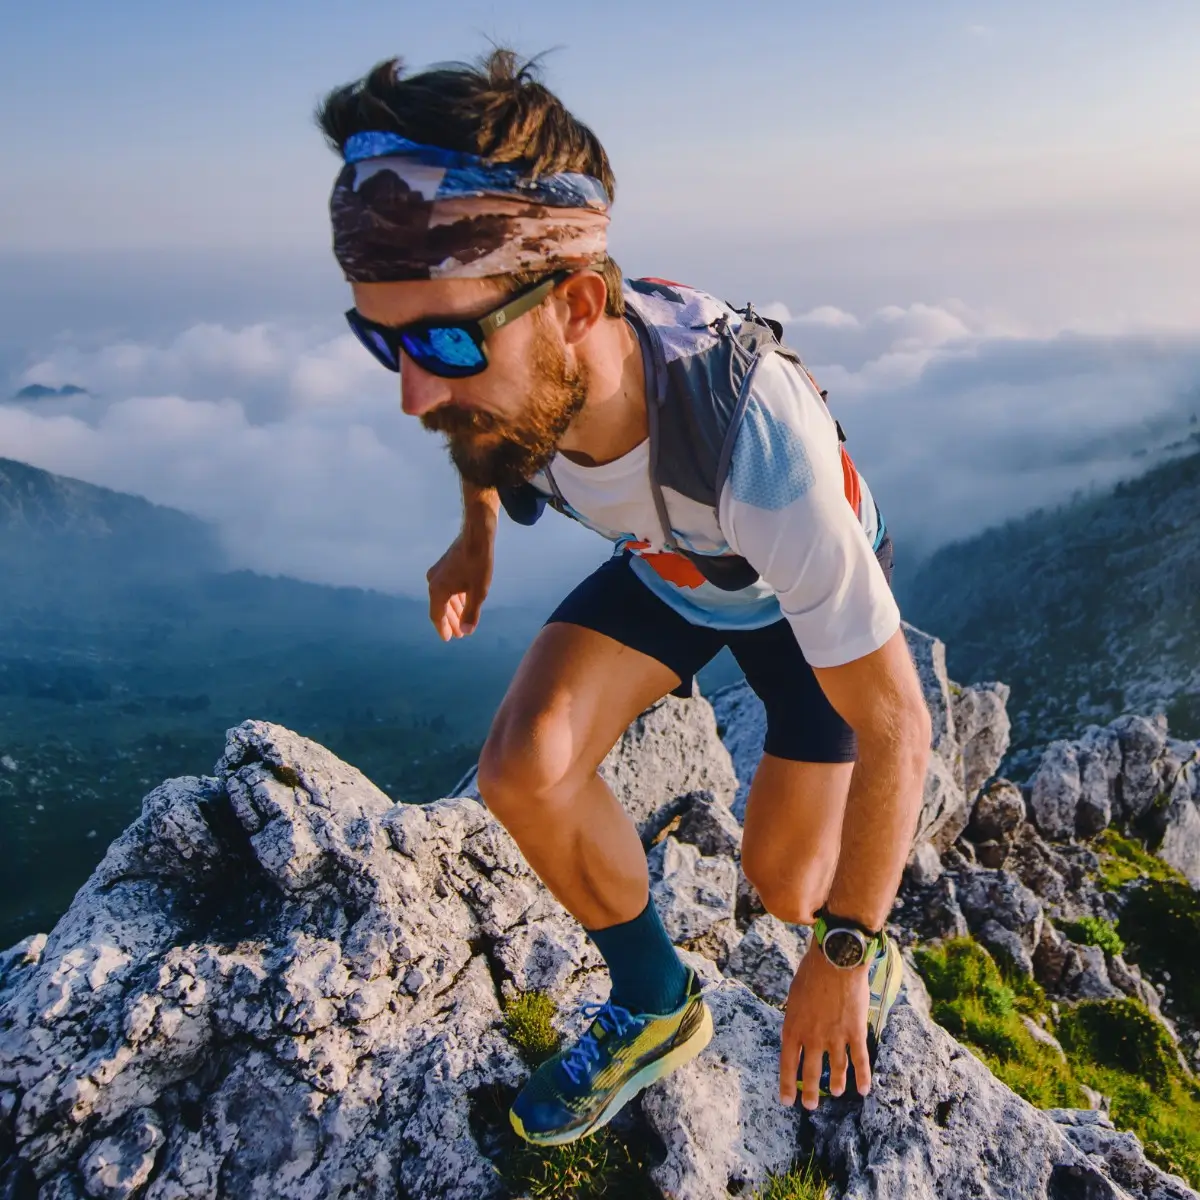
[838, 1062]
[457, 601]
[470, 613]
[810, 1083]
[789, 1062]
[862, 1064]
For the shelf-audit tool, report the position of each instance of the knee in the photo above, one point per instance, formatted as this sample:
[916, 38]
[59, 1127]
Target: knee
[525, 766]
[791, 891]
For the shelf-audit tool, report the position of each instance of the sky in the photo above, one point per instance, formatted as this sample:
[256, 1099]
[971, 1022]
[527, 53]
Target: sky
[980, 220]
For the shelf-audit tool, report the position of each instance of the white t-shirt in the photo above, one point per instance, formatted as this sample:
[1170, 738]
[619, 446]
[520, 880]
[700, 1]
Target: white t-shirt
[783, 508]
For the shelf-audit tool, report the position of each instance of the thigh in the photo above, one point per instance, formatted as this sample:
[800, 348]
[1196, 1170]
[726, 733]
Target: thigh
[614, 602]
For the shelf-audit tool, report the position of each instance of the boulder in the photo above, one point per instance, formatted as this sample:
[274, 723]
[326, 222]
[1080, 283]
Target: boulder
[998, 812]
[983, 730]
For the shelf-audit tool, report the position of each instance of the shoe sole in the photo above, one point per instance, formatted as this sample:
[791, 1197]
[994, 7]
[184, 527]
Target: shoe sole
[651, 1073]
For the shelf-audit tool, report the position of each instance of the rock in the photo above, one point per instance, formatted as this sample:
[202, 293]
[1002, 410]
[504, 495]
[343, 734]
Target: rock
[983, 730]
[695, 897]
[768, 956]
[998, 812]
[1043, 1036]
[993, 854]
[942, 915]
[1125, 1161]
[1098, 753]
[1085, 975]
[1001, 897]
[719, 1116]
[924, 865]
[1050, 957]
[710, 826]
[119, 1166]
[948, 1130]
[1142, 742]
[1180, 842]
[1054, 791]
[1005, 944]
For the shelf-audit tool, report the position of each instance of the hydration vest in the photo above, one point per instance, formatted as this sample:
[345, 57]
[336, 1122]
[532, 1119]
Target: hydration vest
[699, 363]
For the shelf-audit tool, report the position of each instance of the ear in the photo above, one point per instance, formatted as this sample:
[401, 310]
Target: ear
[579, 303]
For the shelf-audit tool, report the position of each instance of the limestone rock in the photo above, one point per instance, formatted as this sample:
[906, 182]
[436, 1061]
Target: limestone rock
[924, 864]
[695, 896]
[768, 956]
[1054, 791]
[1001, 897]
[709, 825]
[998, 811]
[1142, 741]
[983, 730]
[742, 723]
[1180, 844]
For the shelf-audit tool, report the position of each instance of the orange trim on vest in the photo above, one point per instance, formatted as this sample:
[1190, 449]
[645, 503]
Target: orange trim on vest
[674, 568]
[851, 482]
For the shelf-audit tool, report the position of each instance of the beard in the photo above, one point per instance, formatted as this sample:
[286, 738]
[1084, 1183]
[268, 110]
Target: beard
[493, 452]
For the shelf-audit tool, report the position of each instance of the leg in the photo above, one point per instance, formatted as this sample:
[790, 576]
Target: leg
[793, 833]
[609, 651]
[572, 697]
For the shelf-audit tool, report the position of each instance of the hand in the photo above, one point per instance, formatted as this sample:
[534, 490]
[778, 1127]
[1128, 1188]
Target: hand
[826, 1013]
[459, 583]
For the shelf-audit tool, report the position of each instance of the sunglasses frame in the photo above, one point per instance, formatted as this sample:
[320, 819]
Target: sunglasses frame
[478, 329]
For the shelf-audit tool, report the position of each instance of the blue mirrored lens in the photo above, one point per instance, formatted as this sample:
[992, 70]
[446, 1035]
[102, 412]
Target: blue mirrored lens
[374, 341]
[448, 345]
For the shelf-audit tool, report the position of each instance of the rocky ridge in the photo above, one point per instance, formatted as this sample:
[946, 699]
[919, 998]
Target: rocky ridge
[278, 983]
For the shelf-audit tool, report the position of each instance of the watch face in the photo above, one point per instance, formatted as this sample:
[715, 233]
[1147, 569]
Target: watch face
[844, 947]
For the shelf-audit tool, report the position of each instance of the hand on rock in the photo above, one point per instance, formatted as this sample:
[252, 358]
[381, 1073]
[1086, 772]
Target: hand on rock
[826, 1014]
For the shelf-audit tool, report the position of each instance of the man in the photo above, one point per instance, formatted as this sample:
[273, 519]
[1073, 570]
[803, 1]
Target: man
[470, 217]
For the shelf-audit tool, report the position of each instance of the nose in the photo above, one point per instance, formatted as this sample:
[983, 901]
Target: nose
[420, 392]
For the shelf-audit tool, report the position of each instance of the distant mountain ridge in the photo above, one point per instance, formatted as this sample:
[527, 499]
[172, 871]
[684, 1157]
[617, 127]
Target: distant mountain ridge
[1089, 610]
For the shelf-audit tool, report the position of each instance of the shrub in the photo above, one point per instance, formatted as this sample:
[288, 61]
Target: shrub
[1094, 931]
[1119, 1033]
[1161, 923]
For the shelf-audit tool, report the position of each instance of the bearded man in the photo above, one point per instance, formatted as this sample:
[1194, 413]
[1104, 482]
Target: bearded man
[470, 217]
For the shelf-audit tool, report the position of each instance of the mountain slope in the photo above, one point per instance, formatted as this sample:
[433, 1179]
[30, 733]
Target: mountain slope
[1088, 611]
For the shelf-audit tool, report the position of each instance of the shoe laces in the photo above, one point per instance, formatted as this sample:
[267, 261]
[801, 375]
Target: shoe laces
[611, 1017]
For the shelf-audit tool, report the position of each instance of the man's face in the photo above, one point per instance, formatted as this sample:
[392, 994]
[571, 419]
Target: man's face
[503, 425]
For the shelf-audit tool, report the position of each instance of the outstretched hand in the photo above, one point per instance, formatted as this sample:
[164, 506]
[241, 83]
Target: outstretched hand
[826, 1013]
[458, 585]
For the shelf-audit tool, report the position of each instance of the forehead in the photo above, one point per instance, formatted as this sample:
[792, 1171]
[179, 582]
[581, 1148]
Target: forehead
[415, 300]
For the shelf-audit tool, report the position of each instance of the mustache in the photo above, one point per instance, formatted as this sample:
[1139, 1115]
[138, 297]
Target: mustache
[455, 420]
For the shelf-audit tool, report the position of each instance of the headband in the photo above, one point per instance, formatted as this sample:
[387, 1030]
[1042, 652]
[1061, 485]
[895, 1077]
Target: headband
[402, 210]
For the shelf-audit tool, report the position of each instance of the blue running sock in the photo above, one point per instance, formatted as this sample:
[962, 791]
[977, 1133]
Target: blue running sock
[647, 974]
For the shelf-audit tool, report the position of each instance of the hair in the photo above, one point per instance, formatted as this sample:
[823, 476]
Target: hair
[496, 108]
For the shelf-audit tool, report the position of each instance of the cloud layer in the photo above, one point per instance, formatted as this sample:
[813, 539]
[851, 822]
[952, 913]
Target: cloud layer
[293, 443]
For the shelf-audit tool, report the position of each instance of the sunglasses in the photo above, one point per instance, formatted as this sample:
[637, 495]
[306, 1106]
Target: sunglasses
[449, 348]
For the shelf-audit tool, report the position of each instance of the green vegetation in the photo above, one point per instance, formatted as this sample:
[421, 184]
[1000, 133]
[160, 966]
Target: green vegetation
[1094, 931]
[980, 1007]
[1116, 1047]
[1124, 860]
[802, 1182]
[529, 1020]
[1161, 923]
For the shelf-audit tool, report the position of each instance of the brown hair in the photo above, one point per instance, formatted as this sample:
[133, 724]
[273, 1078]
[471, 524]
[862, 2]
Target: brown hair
[497, 109]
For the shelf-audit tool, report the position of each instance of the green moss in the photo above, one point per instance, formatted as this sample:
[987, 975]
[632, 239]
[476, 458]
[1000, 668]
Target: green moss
[1161, 923]
[1094, 931]
[1120, 1049]
[1123, 860]
[802, 1182]
[982, 1006]
[529, 1020]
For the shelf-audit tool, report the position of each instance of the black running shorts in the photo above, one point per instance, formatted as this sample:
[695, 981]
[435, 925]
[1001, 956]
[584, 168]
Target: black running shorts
[801, 723]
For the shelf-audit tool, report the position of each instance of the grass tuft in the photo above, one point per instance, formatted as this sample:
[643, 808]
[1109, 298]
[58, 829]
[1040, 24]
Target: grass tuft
[1094, 931]
[529, 1020]
[1124, 860]
[802, 1182]
[1161, 923]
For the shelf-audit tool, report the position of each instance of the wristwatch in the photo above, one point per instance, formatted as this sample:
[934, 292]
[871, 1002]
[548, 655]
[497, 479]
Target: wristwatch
[846, 943]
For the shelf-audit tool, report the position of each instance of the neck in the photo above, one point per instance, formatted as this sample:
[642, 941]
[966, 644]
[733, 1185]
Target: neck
[613, 419]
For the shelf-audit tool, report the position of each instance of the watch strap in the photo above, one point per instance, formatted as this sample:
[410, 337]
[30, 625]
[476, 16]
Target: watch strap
[825, 921]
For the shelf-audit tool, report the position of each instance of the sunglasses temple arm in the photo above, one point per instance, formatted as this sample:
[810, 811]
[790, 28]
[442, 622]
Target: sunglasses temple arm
[521, 305]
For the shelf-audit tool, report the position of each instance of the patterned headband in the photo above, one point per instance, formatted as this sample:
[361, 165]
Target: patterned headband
[402, 210]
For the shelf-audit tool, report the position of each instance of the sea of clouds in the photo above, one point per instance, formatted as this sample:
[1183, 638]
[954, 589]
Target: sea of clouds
[290, 439]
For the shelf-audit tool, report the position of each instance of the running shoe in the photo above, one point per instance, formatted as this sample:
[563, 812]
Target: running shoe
[583, 1087]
